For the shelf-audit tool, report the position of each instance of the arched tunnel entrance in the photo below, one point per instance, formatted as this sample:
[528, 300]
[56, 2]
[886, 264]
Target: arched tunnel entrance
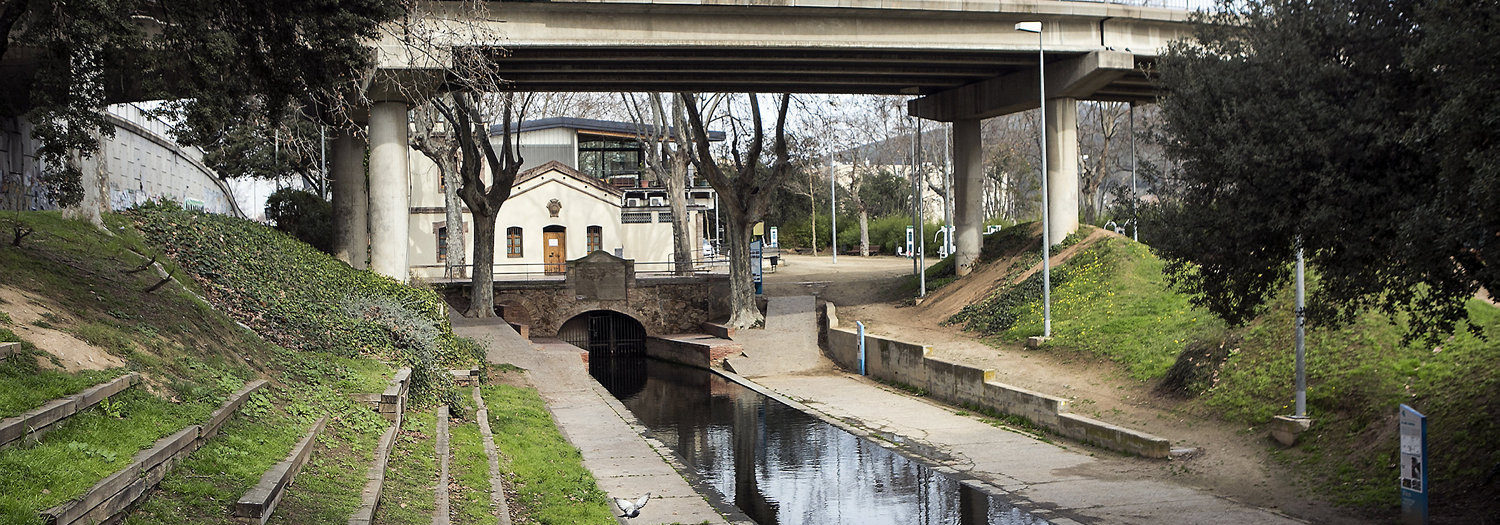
[617, 348]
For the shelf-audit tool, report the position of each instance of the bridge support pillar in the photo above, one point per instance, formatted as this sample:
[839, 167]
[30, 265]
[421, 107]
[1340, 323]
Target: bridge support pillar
[388, 189]
[1062, 167]
[351, 210]
[968, 193]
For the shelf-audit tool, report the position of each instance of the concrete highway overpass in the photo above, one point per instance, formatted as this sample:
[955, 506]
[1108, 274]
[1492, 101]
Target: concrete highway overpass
[963, 60]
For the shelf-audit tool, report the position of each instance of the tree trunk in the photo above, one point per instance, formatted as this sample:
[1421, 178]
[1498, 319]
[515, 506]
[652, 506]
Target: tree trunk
[864, 232]
[676, 183]
[743, 313]
[482, 288]
[453, 266]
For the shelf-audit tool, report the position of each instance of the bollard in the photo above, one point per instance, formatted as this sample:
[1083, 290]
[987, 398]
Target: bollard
[861, 326]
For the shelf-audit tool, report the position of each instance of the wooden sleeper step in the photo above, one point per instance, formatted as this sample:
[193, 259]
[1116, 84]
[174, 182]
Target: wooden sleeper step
[33, 423]
[117, 492]
[260, 501]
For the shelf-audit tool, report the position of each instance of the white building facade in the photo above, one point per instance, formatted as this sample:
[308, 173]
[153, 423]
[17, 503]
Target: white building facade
[558, 212]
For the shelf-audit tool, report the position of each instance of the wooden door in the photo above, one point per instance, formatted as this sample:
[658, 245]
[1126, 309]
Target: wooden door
[555, 252]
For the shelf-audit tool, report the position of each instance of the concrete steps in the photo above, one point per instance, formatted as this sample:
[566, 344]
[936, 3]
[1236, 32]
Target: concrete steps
[440, 509]
[392, 406]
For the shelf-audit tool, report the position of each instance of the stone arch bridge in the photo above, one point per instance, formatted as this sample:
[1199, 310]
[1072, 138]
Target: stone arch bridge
[602, 282]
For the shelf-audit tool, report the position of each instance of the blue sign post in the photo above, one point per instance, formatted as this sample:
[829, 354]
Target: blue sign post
[861, 326]
[1413, 466]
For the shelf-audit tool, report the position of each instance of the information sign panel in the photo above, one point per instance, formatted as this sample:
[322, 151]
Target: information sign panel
[755, 265]
[910, 241]
[1413, 466]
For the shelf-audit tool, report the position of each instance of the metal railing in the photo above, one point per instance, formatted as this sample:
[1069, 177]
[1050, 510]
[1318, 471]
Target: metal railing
[1185, 5]
[544, 272]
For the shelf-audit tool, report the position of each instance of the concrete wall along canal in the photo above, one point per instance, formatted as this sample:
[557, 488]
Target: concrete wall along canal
[913, 366]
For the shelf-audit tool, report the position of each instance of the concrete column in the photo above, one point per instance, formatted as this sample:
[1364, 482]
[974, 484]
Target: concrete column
[351, 200]
[1062, 167]
[388, 189]
[968, 194]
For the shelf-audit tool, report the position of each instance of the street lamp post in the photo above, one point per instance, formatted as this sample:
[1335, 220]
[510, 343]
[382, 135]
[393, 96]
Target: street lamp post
[833, 212]
[1135, 219]
[921, 218]
[1041, 75]
[1301, 348]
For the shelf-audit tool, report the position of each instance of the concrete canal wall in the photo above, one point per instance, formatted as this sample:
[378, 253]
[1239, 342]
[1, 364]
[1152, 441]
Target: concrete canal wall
[912, 365]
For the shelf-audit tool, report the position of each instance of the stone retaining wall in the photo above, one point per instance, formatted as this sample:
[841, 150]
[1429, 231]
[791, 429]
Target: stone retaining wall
[913, 366]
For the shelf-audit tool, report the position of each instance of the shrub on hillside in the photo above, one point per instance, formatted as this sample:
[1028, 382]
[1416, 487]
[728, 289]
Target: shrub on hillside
[304, 215]
[417, 339]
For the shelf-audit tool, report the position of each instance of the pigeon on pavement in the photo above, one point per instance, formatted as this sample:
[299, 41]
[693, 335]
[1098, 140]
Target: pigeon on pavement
[631, 509]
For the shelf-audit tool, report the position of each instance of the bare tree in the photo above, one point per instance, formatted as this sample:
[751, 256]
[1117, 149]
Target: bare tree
[870, 132]
[744, 195]
[1103, 122]
[668, 151]
[437, 142]
[1011, 156]
[470, 98]
[476, 153]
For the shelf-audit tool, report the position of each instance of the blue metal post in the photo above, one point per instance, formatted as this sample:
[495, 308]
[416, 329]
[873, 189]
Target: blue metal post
[861, 326]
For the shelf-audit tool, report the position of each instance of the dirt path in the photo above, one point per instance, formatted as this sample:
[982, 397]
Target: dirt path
[1232, 461]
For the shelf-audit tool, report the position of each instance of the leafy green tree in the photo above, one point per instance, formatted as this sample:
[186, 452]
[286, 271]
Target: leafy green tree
[261, 149]
[223, 60]
[1338, 126]
[303, 215]
[886, 193]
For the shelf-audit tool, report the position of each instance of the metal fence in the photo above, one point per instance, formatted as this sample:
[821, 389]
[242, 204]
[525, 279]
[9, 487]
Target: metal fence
[542, 272]
[1186, 5]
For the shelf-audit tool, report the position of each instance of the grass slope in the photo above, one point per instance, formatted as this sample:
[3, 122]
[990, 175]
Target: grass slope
[329, 332]
[411, 476]
[546, 472]
[192, 357]
[1112, 301]
[27, 385]
[302, 299]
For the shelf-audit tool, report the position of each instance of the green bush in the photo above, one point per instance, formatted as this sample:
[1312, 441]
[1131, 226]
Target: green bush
[304, 215]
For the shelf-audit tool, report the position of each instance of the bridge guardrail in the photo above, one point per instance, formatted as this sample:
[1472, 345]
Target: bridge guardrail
[1185, 5]
[529, 272]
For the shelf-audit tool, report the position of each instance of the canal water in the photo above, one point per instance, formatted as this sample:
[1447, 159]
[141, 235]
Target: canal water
[781, 466]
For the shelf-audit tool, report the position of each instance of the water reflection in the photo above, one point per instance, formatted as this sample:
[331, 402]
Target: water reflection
[781, 466]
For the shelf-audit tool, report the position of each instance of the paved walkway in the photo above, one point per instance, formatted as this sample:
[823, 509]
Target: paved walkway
[1061, 484]
[787, 345]
[624, 462]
